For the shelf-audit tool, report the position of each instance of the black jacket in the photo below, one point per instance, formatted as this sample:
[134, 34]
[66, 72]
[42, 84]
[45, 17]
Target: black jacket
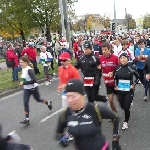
[50, 49]
[85, 125]
[147, 41]
[126, 73]
[88, 65]
[146, 68]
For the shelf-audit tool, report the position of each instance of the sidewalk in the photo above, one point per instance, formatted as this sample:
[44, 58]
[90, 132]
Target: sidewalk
[3, 64]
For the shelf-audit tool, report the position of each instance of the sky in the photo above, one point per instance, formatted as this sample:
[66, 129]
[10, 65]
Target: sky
[134, 7]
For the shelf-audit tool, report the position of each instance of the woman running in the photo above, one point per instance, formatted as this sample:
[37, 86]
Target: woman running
[84, 119]
[125, 85]
[30, 88]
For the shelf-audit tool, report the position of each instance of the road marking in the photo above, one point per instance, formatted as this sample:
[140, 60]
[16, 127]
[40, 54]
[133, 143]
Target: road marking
[9, 96]
[50, 116]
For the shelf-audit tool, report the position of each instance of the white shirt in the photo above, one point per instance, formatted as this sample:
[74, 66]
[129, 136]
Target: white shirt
[117, 49]
[129, 53]
[44, 57]
[25, 77]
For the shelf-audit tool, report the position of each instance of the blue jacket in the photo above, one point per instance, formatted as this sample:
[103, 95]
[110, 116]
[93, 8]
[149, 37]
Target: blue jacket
[97, 47]
[140, 64]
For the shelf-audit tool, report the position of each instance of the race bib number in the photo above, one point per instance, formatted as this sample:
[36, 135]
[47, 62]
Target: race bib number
[96, 53]
[43, 60]
[124, 85]
[23, 79]
[88, 81]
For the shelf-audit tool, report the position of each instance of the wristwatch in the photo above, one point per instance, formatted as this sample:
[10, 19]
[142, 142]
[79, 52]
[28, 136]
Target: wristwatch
[115, 135]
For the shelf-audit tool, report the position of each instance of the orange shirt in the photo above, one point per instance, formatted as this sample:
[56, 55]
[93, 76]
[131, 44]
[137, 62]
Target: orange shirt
[65, 74]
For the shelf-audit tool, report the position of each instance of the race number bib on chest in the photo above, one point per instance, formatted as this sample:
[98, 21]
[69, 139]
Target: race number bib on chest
[124, 85]
[88, 81]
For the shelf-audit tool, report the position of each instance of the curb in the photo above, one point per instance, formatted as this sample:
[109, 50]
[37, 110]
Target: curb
[9, 92]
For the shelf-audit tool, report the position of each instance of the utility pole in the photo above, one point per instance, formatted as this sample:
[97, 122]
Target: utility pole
[62, 18]
[65, 22]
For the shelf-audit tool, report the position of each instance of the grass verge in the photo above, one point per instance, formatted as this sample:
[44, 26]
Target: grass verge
[2, 60]
[6, 82]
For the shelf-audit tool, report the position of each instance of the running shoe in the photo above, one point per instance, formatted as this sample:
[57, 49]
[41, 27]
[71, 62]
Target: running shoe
[49, 105]
[25, 121]
[125, 126]
[145, 98]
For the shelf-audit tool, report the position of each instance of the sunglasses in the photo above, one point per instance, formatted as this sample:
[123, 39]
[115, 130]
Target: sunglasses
[63, 60]
[62, 45]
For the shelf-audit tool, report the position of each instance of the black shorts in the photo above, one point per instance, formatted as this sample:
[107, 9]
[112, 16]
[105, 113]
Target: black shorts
[111, 90]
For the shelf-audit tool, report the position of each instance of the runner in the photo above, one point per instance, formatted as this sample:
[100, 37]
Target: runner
[65, 72]
[141, 54]
[108, 64]
[88, 63]
[124, 84]
[84, 120]
[146, 71]
[46, 59]
[30, 88]
[125, 49]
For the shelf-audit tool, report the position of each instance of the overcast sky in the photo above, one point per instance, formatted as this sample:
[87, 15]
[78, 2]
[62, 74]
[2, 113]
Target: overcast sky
[134, 7]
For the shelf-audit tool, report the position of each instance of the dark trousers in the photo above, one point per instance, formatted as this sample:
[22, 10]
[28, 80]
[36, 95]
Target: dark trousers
[125, 101]
[140, 71]
[91, 92]
[36, 70]
[52, 64]
[26, 97]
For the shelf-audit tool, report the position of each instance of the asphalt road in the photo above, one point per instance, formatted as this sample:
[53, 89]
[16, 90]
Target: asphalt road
[40, 134]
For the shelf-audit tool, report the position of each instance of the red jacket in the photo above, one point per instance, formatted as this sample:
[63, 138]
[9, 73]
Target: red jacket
[75, 47]
[65, 74]
[11, 56]
[108, 64]
[31, 53]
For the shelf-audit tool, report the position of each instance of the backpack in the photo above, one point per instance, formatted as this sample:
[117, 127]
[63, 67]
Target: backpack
[9, 63]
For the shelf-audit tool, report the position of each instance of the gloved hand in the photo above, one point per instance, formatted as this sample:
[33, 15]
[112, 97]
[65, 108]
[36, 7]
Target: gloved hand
[64, 141]
[115, 145]
[96, 83]
[13, 137]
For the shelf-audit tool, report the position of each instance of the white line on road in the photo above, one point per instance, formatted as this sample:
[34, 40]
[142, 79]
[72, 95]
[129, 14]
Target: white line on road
[9, 96]
[50, 116]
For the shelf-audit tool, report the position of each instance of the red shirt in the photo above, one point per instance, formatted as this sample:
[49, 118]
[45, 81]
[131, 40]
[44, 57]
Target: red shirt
[75, 47]
[108, 64]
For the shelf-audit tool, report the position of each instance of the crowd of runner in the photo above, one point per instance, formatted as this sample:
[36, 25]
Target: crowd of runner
[122, 61]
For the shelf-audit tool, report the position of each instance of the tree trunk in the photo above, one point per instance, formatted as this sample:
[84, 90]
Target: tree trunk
[13, 37]
[48, 35]
[23, 38]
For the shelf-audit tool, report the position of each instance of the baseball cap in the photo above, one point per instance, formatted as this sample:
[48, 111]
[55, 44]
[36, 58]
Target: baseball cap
[64, 56]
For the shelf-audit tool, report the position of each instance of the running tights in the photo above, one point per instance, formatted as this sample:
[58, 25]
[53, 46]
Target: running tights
[125, 101]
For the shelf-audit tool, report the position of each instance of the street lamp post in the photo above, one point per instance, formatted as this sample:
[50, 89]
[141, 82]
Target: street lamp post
[65, 22]
[62, 18]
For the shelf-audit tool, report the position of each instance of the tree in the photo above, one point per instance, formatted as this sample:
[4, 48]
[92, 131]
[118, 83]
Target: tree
[146, 21]
[47, 14]
[24, 15]
[130, 22]
[16, 17]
